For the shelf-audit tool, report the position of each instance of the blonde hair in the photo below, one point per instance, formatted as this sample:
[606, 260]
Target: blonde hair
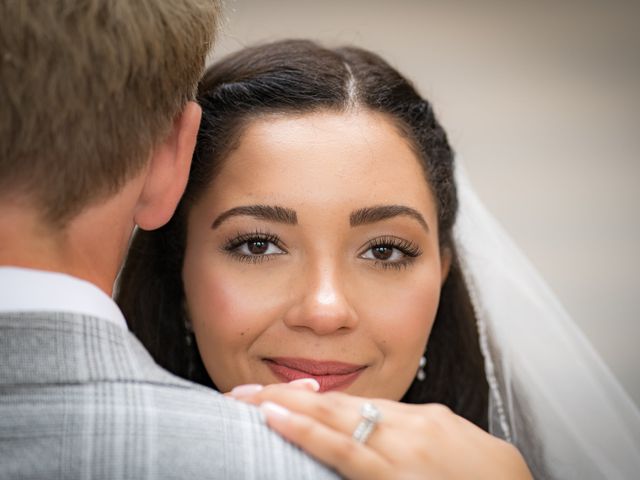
[88, 87]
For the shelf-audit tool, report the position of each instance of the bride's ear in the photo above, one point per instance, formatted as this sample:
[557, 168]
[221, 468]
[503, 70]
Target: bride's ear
[168, 170]
[445, 263]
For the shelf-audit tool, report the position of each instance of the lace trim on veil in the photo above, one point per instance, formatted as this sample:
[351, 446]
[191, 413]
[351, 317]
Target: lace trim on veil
[550, 393]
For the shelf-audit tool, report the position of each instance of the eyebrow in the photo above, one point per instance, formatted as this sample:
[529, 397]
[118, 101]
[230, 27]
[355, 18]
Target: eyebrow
[262, 212]
[377, 213]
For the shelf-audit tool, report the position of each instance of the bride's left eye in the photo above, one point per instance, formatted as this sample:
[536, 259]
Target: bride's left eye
[390, 252]
[254, 247]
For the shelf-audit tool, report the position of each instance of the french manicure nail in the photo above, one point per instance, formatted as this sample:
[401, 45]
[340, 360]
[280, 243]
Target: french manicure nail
[310, 383]
[273, 410]
[245, 390]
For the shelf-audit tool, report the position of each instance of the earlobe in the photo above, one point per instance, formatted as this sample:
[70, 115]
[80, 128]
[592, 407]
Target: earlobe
[168, 171]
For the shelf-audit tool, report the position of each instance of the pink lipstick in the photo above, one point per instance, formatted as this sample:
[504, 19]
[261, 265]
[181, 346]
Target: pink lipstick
[329, 374]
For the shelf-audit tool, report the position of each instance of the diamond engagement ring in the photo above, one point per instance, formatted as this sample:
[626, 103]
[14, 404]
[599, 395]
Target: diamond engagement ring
[370, 418]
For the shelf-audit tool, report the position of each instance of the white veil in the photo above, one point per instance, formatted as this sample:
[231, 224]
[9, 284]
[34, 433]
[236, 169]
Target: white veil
[550, 393]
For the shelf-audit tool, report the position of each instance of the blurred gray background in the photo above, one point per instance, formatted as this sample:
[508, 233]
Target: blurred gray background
[541, 101]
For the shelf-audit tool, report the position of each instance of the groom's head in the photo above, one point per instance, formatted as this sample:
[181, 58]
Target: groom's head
[89, 89]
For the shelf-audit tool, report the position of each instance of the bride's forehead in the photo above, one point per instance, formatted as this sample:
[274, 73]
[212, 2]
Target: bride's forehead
[319, 126]
[322, 145]
[329, 162]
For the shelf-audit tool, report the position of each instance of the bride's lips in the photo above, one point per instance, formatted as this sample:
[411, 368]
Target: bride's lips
[330, 375]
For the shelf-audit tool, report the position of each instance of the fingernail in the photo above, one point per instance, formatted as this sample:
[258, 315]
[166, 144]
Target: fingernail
[275, 411]
[245, 390]
[309, 383]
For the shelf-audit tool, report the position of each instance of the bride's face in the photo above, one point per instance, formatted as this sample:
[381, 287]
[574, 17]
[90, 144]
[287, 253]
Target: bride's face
[314, 253]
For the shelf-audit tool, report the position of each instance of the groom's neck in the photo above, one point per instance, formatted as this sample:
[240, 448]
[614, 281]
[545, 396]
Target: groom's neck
[91, 246]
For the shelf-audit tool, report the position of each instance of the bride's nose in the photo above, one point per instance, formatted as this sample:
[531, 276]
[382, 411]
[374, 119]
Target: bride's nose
[321, 304]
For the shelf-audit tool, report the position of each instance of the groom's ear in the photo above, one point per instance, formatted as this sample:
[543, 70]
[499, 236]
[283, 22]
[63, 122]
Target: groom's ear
[168, 170]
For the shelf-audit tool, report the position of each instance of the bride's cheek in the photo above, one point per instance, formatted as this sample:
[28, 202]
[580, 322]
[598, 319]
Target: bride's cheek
[226, 305]
[400, 315]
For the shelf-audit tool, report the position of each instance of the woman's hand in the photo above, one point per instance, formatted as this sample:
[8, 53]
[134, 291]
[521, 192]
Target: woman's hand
[409, 441]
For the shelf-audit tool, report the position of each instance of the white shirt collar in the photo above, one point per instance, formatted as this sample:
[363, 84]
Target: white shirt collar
[28, 290]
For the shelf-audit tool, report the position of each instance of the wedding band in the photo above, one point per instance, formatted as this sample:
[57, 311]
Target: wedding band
[370, 418]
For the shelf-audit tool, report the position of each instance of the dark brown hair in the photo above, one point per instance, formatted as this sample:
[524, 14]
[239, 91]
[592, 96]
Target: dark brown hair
[87, 88]
[294, 77]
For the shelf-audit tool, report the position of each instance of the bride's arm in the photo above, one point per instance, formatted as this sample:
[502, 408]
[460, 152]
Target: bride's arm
[409, 441]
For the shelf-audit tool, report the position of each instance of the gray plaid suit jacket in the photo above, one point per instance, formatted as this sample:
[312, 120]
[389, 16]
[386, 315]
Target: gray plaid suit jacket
[83, 399]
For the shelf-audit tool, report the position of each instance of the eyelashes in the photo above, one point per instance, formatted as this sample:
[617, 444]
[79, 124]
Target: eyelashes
[385, 252]
[254, 247]
[389, 252]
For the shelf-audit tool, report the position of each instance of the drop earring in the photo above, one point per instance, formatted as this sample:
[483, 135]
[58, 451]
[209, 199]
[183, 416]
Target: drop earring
[421, 375]
[187, 335]
[188, 330]
[189, 341]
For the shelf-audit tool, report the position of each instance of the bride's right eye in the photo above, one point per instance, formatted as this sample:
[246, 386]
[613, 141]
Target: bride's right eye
[254, 247]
